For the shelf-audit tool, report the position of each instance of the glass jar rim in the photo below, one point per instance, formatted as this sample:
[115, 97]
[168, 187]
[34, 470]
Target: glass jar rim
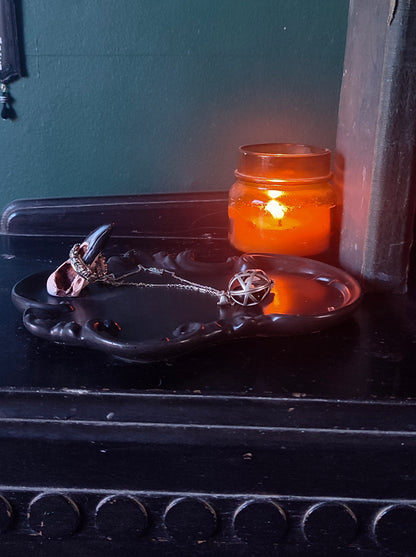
[289, 163]
[284, 150]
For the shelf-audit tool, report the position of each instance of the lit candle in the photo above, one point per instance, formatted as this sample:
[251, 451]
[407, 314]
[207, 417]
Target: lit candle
[281, 202]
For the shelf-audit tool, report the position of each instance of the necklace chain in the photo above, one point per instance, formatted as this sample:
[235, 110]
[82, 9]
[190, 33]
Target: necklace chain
[183, 284]
[247, 288]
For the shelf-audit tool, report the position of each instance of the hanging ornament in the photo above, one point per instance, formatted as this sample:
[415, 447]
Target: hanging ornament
[10, 66]
[7, 112]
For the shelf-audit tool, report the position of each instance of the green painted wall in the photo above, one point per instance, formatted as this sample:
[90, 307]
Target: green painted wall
[132, 96]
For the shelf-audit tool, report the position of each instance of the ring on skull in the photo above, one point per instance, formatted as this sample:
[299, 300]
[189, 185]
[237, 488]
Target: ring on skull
[92, 273]
[249, 288]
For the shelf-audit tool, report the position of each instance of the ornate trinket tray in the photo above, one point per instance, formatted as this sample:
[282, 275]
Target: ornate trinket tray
[154, 318]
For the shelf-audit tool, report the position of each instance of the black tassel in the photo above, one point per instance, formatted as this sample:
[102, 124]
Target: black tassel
[7, 112]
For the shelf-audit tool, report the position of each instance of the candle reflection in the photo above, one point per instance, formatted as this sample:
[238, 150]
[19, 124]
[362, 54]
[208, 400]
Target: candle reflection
[302, 295]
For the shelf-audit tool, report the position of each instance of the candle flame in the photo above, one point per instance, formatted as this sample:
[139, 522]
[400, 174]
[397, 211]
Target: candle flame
[276, 209]
[273, 194]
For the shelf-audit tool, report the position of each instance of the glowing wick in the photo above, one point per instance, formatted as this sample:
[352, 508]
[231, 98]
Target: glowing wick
[276, 209]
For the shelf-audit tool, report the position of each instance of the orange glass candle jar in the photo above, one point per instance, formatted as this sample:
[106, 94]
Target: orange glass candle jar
[282, 200]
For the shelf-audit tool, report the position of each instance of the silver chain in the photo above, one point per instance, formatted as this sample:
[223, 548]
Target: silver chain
[247, 288]
[184, 284]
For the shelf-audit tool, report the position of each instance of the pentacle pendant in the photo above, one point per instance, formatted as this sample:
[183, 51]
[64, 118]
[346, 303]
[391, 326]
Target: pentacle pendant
[249, 288]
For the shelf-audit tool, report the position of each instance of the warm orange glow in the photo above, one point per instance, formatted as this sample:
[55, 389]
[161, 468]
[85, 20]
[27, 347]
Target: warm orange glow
[282, 203]
[300, 295]
[276, 209]
[297, 232]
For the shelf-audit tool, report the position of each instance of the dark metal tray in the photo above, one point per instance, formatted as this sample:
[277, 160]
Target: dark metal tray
[150, 324]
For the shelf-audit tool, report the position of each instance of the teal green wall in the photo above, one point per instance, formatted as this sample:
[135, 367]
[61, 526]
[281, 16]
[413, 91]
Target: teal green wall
[132, 96]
